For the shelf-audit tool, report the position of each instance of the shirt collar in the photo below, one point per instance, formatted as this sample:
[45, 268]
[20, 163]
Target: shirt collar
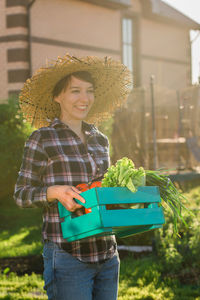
[57, 123]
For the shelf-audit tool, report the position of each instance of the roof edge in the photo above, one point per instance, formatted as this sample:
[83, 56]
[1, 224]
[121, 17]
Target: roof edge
[162, 12]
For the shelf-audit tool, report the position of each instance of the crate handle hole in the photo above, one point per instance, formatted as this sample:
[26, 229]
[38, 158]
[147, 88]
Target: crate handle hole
[80, 212]
[124, 206]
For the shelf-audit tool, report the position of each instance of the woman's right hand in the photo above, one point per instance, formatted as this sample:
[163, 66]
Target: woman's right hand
[65, 194]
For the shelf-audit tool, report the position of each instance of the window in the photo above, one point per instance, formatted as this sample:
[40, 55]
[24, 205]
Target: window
[127, 43]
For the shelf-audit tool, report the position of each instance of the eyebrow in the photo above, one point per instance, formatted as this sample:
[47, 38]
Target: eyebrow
[77, 87]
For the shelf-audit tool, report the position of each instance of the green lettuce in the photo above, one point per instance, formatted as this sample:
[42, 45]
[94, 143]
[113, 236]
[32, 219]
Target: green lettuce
[124, 174]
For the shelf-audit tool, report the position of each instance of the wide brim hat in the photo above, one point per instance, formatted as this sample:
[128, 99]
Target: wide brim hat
[112, 79]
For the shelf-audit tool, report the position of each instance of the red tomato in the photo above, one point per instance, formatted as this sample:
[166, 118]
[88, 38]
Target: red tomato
[95, 184]
[82, 187]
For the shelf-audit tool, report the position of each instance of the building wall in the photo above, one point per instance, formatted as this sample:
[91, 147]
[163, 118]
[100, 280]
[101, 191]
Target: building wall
[165, 53]
[82, 28]
[3, 52]
[78, 28]
[13, 47]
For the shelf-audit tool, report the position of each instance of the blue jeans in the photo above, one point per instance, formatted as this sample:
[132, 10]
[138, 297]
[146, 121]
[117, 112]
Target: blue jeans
[67, 278]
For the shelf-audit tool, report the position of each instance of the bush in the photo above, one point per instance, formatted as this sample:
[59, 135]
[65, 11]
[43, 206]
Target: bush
[142, 279]
[14, 131]
[180, 255]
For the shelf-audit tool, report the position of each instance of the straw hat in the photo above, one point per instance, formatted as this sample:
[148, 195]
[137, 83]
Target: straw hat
[113, 83]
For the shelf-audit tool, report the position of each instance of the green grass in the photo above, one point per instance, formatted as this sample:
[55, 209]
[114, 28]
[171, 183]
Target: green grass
[139, 280]
[20, 230]
[24, 287]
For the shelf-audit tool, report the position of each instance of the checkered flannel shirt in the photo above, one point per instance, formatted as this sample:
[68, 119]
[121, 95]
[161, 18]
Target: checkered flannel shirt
[55, 155]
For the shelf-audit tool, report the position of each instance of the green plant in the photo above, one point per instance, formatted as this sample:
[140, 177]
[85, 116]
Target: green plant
[106, 128]
[180, 255]
[20, 233]
[140, 279]
[124, 174]
[18, 288]
[14, 131]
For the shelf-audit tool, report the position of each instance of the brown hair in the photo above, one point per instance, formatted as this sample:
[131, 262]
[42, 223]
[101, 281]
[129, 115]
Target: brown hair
[63, 83]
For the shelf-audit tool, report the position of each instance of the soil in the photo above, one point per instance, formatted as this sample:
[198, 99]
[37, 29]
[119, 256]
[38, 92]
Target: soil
[23, 264]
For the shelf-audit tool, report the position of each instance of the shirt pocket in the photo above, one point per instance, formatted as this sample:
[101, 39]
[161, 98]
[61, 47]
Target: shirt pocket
[59, 153]
[60, 166]
[102, 162]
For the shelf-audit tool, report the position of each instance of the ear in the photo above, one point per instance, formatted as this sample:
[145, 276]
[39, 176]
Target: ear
[58, 98]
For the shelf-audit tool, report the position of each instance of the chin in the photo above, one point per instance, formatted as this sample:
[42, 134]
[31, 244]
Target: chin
[82, 116]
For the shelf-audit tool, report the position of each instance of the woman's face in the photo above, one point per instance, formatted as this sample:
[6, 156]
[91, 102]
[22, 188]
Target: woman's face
[76, 100]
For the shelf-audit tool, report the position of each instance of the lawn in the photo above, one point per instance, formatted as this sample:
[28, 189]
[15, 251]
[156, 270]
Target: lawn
[140, 279]
[20, 230]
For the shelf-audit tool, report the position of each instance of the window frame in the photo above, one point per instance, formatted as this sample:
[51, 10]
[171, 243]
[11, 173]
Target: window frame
[136, 57]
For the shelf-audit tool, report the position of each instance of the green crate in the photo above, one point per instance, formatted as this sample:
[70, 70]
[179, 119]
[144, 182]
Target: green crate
[121, 222]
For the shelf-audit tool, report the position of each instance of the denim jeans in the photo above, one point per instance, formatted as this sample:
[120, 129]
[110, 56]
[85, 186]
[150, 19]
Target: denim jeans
[67, 278]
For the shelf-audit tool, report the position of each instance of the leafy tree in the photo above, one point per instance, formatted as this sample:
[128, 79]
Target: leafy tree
[14, 131]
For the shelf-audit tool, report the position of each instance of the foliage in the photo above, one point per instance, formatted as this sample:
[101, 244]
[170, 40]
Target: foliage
[140, 279]
[26, 287]
[14, 131]
[172, 198]
[172, 274]
[124, 174]
[106, 127]
[20, 233]
[180, 255]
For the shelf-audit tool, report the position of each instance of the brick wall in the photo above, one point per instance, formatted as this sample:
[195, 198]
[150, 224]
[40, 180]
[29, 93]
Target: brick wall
[14, 60]
[82, 28]
[57, 27]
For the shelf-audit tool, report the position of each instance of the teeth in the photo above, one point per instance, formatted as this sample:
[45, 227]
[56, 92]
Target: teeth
[82, 107]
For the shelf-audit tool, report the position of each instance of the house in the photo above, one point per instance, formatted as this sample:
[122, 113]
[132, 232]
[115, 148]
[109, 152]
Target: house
[148, 36]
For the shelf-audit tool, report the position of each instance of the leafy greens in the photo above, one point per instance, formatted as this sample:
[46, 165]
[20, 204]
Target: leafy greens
[124, 174]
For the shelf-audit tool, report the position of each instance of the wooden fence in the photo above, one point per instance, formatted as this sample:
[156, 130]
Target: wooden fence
[177, 119]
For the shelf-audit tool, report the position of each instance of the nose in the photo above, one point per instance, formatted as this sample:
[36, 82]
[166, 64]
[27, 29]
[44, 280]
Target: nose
[84, 96]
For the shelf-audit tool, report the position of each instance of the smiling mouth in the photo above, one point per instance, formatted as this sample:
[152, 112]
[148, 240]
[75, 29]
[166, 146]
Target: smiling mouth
[83, 107]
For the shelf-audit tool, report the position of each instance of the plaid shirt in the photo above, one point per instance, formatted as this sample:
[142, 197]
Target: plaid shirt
[55, 155]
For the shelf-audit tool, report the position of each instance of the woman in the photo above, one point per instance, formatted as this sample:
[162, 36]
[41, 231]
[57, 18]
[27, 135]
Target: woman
[64, 152]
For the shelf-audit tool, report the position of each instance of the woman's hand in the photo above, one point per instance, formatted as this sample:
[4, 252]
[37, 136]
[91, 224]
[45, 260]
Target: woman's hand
[65, 194]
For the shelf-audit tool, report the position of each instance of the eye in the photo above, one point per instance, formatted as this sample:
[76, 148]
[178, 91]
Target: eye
[91, 91]
[75, 91]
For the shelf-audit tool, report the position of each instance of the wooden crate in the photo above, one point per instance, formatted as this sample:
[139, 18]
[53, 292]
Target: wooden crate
[121, 222]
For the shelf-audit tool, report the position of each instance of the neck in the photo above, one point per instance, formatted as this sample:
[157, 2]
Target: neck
[75, 125]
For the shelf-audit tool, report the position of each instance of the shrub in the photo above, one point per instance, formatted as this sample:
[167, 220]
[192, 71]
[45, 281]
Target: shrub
[14, 131]
[180, 255]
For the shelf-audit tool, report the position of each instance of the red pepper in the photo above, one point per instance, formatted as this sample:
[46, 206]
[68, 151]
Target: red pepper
[82, 187]
[95, 184]
[92, 185]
